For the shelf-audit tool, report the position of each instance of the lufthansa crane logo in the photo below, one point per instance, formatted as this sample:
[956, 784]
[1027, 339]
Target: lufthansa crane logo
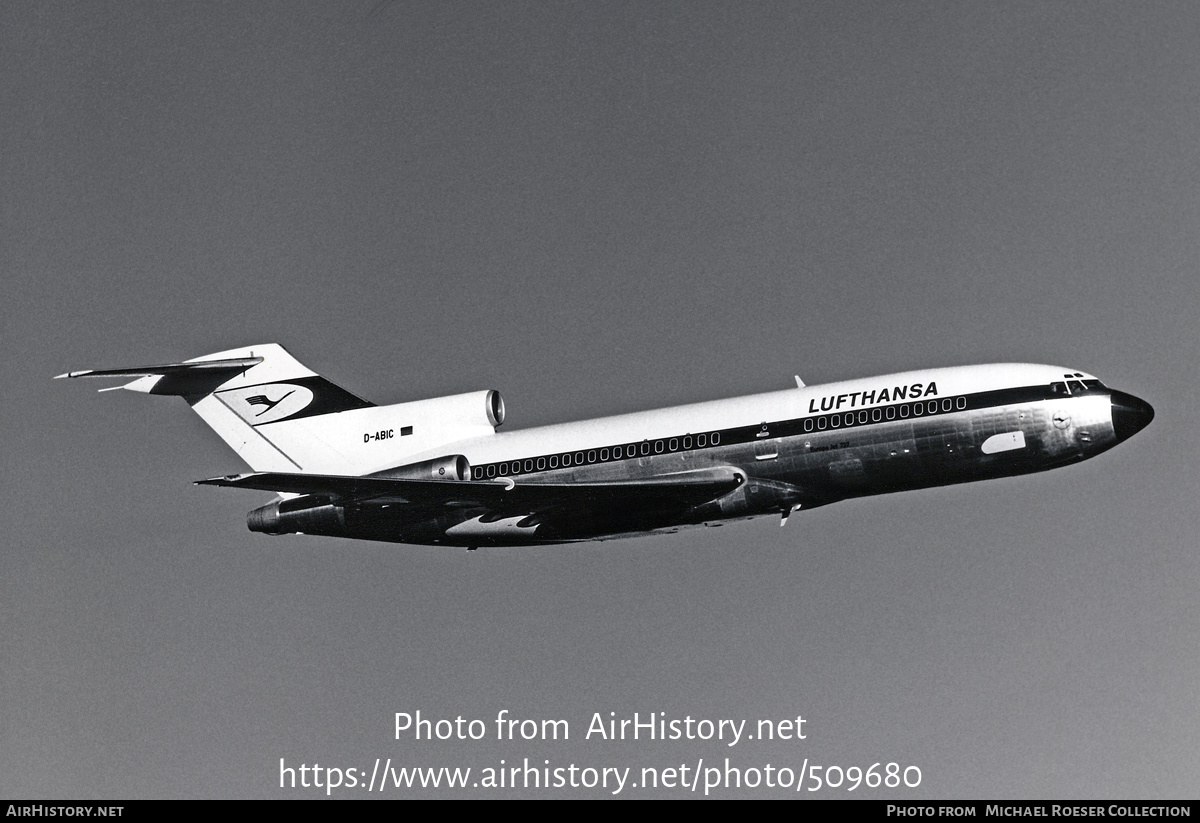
[269, 403]
[263, 400]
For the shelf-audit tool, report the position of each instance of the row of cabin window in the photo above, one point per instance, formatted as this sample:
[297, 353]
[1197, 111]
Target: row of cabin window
[885, 413]
[834, 421]
[580, 458]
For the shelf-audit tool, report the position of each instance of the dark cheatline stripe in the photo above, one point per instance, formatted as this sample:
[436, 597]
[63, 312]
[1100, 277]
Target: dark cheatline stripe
[794, 427]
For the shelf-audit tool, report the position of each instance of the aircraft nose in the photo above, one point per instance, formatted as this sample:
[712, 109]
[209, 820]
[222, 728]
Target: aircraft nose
[1129, 414]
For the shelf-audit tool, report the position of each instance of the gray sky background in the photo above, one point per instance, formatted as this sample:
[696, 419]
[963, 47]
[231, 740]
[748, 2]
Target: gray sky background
[597, 208]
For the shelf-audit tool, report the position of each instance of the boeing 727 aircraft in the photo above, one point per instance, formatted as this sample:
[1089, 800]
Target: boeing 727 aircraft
[437, 471]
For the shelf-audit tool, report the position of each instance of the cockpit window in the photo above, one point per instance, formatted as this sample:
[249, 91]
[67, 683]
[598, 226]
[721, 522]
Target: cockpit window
[1073, 384]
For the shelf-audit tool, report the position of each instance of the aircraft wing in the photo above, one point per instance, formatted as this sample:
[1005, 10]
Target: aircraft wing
[688, 488]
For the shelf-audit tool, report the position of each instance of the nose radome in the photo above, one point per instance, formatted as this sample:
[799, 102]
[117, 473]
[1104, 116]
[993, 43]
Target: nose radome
[1129, 414]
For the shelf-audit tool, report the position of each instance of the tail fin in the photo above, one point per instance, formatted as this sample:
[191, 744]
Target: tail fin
[260, 400]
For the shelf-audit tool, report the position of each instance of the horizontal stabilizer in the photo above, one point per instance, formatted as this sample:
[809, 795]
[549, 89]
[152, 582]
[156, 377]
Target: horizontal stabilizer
[196, 378]
[200, 367]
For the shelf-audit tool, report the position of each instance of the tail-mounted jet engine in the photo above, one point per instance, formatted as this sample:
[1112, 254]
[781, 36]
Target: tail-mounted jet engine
[453, 467]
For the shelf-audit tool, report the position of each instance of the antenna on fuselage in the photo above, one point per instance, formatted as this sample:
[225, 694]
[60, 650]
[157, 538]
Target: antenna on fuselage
[799, 382]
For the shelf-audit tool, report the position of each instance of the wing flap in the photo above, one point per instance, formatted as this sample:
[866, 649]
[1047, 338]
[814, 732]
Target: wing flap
[684, 488]
[341, 486]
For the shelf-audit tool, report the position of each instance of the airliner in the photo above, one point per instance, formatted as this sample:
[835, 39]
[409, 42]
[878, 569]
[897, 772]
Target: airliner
[437, 471]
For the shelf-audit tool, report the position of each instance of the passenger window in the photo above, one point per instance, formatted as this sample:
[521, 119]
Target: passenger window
[541, 463]
[567, 459]
[862, 417]
[933, 407]
[529, 465]
[876, 415]
[674, 444]
[658, 446]
[849, 418]
[947, 404]
[701, 440]
[822, 423]
[890, 412]
[592, 456]
[504, 468]
[808, 424]
[554, 461]
[835, 420]
[918, 409]
[961, 402]
[645, 447]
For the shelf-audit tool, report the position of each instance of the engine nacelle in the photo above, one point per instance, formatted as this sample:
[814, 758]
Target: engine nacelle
[473, 409]
[308, 514]
[451, 467]
[495, 407]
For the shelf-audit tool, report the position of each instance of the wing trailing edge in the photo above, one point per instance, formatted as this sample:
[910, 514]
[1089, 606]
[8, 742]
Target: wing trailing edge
[686, 488]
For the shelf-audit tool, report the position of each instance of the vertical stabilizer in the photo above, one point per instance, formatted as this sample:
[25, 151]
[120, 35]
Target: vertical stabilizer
[261, 401]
